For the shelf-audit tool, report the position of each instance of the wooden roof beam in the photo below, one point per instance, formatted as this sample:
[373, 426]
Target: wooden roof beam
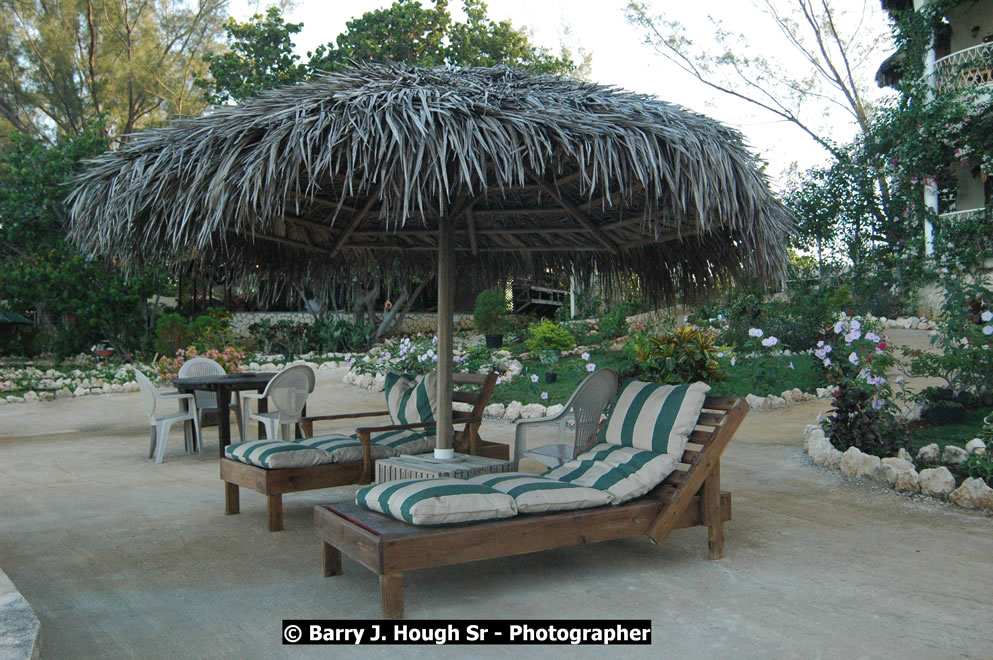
[575, 214]
[359, 217]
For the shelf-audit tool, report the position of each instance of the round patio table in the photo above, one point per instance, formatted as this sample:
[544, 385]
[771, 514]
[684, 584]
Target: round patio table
[223, 385]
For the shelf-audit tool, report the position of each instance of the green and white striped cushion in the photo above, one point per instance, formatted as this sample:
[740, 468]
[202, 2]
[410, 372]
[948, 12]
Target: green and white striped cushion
[344, 448]
[348, 448]
[654, 417]
[411, 400]
[436, 501]
[275, 454]
[534, 494]
[624, 472]
[406, 441]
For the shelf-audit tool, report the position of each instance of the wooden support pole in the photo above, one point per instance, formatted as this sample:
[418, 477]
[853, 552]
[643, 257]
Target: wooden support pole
[446, 328]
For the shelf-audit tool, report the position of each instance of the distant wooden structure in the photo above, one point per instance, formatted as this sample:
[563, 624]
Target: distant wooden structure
[535, 299]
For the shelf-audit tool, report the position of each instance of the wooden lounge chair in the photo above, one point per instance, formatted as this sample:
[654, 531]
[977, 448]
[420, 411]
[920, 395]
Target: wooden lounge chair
[688, 497]
[274, 483]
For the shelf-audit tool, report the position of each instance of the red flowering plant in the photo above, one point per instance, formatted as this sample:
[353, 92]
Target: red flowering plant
[856, 361]
[230, 359]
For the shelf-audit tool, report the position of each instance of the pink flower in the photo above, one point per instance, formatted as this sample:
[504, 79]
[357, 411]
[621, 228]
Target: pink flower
[585, 356]
[590, 367]
[544, 396]
[534, 378]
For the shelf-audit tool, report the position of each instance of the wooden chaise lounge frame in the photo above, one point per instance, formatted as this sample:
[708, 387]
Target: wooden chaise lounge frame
[275, 483]
[687, 498]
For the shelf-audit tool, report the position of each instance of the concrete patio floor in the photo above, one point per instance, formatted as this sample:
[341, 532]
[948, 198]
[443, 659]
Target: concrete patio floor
[121, 558]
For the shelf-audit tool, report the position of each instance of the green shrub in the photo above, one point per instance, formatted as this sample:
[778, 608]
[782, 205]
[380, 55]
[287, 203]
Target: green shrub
[614, 323]
[171, 334]
[547, 335]
[980, 467]
[491, 311]
[683, 356]
[338, 335]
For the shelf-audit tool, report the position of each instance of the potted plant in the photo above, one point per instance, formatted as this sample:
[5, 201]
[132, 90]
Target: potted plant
[546, 341]
[490, 315]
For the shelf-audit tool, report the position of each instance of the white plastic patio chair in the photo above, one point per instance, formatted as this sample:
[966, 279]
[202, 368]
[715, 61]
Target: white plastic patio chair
[287, 391]
[162, 423]
[206, 401]
[585, 407]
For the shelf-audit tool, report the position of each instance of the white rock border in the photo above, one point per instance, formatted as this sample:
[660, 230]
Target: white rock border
[899, 472]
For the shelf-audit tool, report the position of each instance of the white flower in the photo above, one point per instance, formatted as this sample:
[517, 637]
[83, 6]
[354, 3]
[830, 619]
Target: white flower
[827, 362]
[534, 378]
[987, 316]
[544, 395]
[873, 337]
[720, 354]
[820, 417]
[755, 332]
[838, 327]
[855, 325]
[820, 343]
[852, 336]
[877, 404]
[988, 330]
[585, 356]
[769, 342]
[499, 380]
[348, 356]
[590, 367]
[791, 366]
[853, 358]
[733, 361]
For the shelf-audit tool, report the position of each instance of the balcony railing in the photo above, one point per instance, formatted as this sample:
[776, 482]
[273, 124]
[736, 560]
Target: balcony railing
[972, 67]
[967, 214]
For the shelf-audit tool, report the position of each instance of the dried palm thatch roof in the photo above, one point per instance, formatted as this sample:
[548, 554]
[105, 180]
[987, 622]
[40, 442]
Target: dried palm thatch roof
[536, 171]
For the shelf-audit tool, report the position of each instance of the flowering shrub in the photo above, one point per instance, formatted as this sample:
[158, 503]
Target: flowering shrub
[965, 360]
[230, 359]
[418, 355]
[863, 413]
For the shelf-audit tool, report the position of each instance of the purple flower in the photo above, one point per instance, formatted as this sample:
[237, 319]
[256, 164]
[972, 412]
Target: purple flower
[987, 316]
[544, 396]
[534, 378]
[877, 404]
[827, 362]
[499, 380]
[988, 330]
[853, 358]
[590, 367]
[873, 337]
[755, 332]
[585, 356]
[769, 342]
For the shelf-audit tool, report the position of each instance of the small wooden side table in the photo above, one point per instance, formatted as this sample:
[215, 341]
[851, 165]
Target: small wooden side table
[425, 466]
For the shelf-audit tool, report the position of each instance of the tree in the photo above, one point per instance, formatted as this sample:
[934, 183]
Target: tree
[78, 302]
[260, 52]
[68, 62]
[259, 56]
[835, 47]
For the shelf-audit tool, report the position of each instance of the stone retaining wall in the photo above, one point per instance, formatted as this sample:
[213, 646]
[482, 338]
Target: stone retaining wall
[413, 323]
[900, 472]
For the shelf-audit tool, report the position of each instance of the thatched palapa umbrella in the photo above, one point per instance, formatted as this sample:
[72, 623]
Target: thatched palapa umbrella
[487, 173]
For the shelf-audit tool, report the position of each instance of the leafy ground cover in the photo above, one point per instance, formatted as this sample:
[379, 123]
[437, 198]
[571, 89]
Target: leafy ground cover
[923, 433]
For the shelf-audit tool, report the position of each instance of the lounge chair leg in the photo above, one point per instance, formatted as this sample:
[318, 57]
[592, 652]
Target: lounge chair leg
[332, 560]
[711, 503]
[231, 503]
[275, 508]
[151, 448]
[391, 593]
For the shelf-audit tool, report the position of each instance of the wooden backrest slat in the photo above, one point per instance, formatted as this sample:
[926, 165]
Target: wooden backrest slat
[466, 397]
[724, 403]
[701, 436]
[710, 419]
[470, 379]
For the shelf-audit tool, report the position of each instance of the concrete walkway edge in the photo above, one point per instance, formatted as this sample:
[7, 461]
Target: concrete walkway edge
[20, 629]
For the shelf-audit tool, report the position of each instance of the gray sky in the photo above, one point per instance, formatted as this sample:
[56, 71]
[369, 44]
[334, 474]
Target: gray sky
[621, 58]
